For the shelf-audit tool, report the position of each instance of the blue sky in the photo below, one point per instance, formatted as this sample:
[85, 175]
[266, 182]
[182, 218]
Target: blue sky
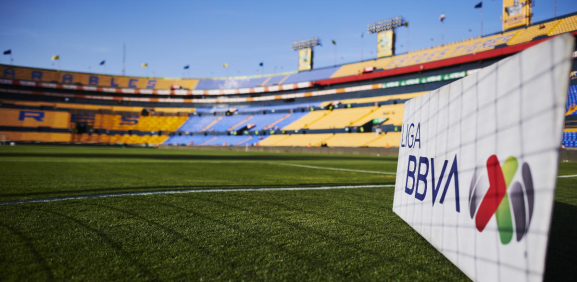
[171, 34]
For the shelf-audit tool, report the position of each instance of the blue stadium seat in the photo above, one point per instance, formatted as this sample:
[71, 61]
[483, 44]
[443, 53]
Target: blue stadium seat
[209, 84]
[291, 119]
[261, 121]
[572, 98]
[227, 122]
[312, 75]
[275, 80]
[278, 107]
[197, 123]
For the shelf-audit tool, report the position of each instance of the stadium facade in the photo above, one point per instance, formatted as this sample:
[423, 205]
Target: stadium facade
[351, 105]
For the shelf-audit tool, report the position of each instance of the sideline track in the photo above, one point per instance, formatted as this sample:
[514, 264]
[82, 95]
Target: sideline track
[109, 195]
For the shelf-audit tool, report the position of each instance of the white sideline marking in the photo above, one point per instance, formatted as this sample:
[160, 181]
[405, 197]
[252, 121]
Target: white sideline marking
[127, 161]
[217, 162]
[94, 196]
[201, 161]
[339, 169]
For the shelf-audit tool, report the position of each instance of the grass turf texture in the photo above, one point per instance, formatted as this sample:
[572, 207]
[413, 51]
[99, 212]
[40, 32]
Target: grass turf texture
[278, 235]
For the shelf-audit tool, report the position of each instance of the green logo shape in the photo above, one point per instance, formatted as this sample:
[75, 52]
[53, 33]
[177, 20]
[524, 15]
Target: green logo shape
[503, 214]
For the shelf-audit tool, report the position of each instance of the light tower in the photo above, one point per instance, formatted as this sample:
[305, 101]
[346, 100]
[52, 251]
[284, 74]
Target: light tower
[385, 35]
[305, 48]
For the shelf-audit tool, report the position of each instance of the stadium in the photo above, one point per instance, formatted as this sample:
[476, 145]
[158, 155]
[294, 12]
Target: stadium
[276, 176]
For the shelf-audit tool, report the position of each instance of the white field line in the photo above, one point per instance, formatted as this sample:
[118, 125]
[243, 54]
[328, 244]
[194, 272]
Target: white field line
[202, 161]
[219, 162]
[338, 169]
[94, 196]
[120, 160]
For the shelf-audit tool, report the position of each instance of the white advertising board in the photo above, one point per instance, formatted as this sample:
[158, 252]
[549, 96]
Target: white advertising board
[478, 163]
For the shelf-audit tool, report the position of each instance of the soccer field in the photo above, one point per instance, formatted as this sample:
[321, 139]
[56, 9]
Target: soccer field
[250, 233]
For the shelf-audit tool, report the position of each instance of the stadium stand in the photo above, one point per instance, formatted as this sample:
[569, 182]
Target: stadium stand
[37, 136]
[34, 118]
[140, 123]
[275, 80]
[390, 139]
[351, 139]
[570, 138]
[208, 84]
[62, 119]
[572, 100]
[186, 140]
[46, 75]
[525, 35]
[95, 107]
[198, 123]
[341, 118]
[394, 113]
[119, 139]
[307, 120]
[285, 120]
[311, 75]
[262, 121]
[233, 140]
[376, 99]
[228, 123]
[221, 140]
[564, 25]
[324, 114]
[416, 57]
[278, 107]
[301, 140]
[437, 53]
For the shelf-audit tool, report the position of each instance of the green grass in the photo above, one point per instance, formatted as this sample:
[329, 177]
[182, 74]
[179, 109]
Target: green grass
[348, 234]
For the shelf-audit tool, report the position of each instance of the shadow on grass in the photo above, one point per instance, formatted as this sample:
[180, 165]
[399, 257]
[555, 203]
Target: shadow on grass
[116, 246]
[345, 245]
[197, 242]
[198, 157]
[176, 187]
[255, 238]
[38, 258]
[560, 264]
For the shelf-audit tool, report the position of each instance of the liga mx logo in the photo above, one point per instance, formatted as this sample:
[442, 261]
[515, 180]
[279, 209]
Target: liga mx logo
[505, 191]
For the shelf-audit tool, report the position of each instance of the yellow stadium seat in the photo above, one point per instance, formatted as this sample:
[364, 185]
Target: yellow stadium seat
[390, 139]
[351, 139]
[393, 112]
[377, 99]
[144, 123]
[307, 120]
[564, 25]
[526, 35]
[415, 57]
[37, 136]
[273, 139]
[297, 140]
[342, 118]
[96, 107]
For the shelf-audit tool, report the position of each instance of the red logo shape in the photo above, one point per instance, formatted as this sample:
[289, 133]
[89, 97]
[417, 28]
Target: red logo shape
[495, 194]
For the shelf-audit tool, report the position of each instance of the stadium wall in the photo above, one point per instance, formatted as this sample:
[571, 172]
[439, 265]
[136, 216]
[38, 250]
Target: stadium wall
[304, 150]
[215, 86]
[567, 155]
[68, 77]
